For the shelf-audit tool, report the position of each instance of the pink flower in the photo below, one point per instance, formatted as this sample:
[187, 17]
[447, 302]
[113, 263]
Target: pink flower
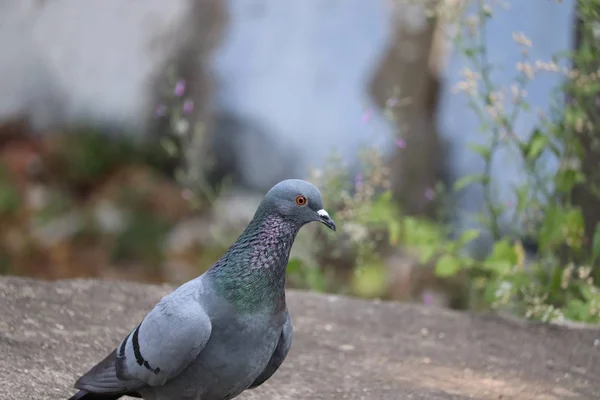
[429, 194]
[161, 111]
[358, 180]
[187, 194]
[188, 106]
[179, 88]
[401, 143]
[427, 298]
[367, 115]
[391, 102]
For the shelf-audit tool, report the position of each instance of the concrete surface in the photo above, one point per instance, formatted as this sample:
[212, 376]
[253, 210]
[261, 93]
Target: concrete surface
[343, 348]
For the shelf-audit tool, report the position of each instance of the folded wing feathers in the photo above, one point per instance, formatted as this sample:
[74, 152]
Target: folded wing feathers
[102, 378]
[167, 340]
[158, 349]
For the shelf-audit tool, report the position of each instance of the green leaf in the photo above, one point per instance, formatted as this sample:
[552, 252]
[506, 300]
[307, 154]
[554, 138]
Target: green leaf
[10, 200]
[522, 194]
[169, 147]
[500, 268]
[418, 232]
[394, 232]
[566, 179]
[573, 114]
[556, 278]
[315, 279]
[579, 310]
[490, 290]
[484, 127]
[294, 266]
[551, 232]
[468, 236]
[586, 292]
[537, 144]
[574, 225]
[469, 180]
[447, 266]
[503, 250]
[370, 280]
[381, 210]
[469, 52]
[426, 253]
[386, 196]
[467, 262]
[502, 258]
[483, 151]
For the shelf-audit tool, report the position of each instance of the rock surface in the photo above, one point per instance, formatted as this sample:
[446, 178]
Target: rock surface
[343, 348]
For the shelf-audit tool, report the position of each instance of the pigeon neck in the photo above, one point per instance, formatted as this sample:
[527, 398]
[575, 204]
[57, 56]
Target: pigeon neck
[251, 274]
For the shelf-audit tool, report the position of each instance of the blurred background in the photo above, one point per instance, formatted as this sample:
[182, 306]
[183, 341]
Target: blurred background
[455, 143]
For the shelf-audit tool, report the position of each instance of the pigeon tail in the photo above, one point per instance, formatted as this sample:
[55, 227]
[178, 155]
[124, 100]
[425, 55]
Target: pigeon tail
[101, 382]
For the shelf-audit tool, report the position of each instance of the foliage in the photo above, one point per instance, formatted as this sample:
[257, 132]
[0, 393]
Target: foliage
[141, 240]
[370, 226]
[559, 281]
[184, 138]
[67, 208]
[9, 196]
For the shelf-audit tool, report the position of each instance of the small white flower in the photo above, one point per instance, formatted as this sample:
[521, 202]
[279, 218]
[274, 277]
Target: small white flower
[182, 127]
[596, 30]
[521, 39]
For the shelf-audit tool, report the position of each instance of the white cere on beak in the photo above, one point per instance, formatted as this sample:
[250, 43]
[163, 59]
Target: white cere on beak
[323, 213]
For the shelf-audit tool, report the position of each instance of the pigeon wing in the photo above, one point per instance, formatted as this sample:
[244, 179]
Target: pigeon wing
[170, 337]
[280, 353]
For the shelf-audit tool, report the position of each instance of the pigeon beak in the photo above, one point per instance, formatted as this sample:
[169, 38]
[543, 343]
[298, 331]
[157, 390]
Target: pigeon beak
[326, 219]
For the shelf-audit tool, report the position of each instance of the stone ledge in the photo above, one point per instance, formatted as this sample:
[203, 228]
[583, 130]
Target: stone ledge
[50, 332]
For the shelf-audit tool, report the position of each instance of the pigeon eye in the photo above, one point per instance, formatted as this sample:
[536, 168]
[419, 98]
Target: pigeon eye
[301, 200]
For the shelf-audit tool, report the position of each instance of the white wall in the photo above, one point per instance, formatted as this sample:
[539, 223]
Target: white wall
[65, 60]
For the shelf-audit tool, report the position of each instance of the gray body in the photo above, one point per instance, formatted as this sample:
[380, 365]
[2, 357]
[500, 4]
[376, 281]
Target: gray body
[227, 330]
[218, 374]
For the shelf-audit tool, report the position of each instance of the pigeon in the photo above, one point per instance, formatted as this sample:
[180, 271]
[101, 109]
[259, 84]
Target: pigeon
[227, 330]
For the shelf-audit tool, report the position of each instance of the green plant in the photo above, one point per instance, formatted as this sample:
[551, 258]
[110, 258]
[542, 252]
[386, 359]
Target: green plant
[546, 287]
[184, 138]
[87, 154]
[141, 240]
[371, 225]
[10, 199]
[560, 281]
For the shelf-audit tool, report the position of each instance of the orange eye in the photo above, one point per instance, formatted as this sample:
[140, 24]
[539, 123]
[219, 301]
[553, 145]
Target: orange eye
[301, 200]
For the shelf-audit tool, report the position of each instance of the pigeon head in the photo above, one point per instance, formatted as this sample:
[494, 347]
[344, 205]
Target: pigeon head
[251, 274]
[298, 201]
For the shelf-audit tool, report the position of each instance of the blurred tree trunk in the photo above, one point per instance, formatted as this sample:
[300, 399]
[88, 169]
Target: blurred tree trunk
[587, 195]
[408, 74]
[193, 46]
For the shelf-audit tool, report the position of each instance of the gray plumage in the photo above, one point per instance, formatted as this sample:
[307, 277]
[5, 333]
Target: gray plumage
[227, 330]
